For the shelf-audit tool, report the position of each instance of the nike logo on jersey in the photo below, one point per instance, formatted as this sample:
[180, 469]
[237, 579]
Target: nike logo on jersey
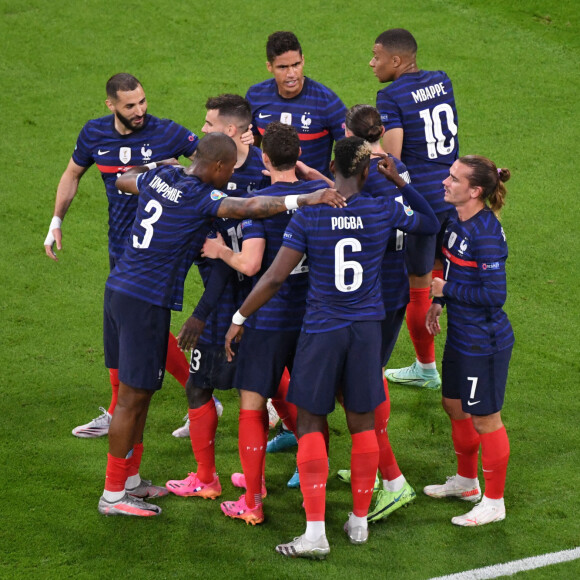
[99, 152]
[262, 116]
[470, 403]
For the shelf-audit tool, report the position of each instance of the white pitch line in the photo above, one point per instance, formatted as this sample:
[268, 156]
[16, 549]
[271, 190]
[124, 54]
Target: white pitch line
[510, 568]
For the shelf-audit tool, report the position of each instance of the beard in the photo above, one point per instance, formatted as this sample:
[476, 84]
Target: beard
[129, 124]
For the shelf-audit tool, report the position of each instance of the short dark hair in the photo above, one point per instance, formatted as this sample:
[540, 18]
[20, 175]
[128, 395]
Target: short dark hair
[351, 156]
[216, 147]
[121, 82]
[398, 40]
[282, 145]
[281, 42]
[364, 121]
[229, 105]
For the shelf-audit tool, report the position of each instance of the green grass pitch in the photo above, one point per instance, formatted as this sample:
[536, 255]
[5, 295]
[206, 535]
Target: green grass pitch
[514, 66]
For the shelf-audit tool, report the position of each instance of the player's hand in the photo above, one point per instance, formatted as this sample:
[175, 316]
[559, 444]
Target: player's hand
[307, 173]
[234, 334]
[437, 287]
[326, 196]
[211, 247]
[190, 333]
[247, 138]
[432, 319]
[53, 237]
[387, 167]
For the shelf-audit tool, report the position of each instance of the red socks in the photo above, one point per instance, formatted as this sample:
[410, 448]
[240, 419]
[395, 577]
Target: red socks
[466, 442]
[116, 473]
[114, 378]
[495, 452]
[364, 460]
[286, 411]
[176, 363]
[312, 461]
[202, 429]
[387, 463]
[252, 439]
[134, 462]
[416, 312]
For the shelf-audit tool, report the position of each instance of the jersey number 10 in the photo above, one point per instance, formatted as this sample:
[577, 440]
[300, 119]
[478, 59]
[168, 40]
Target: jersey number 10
[434, 135]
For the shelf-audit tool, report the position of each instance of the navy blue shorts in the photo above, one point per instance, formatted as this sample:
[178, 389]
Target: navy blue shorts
[423, 250]
[391, 326]
[347, 360]
[135, 335]
[263, 355]
[209, 367]
[479, 381]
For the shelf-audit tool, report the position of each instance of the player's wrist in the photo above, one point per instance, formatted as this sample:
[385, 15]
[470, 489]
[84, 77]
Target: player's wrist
[238, 319]
[55, 224]
[292, 202]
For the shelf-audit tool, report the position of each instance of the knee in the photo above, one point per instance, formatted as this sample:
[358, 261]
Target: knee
[197, 397]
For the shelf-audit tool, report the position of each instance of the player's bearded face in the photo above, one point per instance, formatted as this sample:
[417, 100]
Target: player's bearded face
[133, 123]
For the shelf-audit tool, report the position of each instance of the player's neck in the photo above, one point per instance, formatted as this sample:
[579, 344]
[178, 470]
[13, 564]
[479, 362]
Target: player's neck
[467, 211]
[347, 186]
[377, 149]
[286, 175]
[121, 129]
[407, 68]
[243, 152]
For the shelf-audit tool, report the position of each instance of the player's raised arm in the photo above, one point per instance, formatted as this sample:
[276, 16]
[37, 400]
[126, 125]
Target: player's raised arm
[128, 181]
[266, 206]
[65, 193]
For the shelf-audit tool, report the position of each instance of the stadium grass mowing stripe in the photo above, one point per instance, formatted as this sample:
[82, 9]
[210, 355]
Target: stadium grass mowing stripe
[510, 568]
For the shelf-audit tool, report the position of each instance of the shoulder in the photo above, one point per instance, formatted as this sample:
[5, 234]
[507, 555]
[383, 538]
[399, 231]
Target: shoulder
[266, 87]
[98, 126]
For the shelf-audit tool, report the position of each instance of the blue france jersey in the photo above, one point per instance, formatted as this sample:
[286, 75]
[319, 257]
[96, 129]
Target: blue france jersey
[100, 143]
[475, 254]
[345, 249]
[423, 105]
[316, 113]
[173, 218]
[395, 279]
[286, 309]
[245, 180]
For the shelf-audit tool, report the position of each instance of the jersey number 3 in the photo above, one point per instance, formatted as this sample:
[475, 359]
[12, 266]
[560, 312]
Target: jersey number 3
[155, 209]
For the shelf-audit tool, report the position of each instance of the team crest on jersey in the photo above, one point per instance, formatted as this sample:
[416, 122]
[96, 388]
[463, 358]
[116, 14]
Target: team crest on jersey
[217, 194]
[286, 118]
[146, 153]
[463, 245]
[125, 154]
[306, 122]
[451, 240]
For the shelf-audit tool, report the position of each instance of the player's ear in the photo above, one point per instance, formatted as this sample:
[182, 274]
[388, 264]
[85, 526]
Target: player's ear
[475, 191]
[110, 105]
[332, 167]
[397, 61]
[299, 152]
[269, 66]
